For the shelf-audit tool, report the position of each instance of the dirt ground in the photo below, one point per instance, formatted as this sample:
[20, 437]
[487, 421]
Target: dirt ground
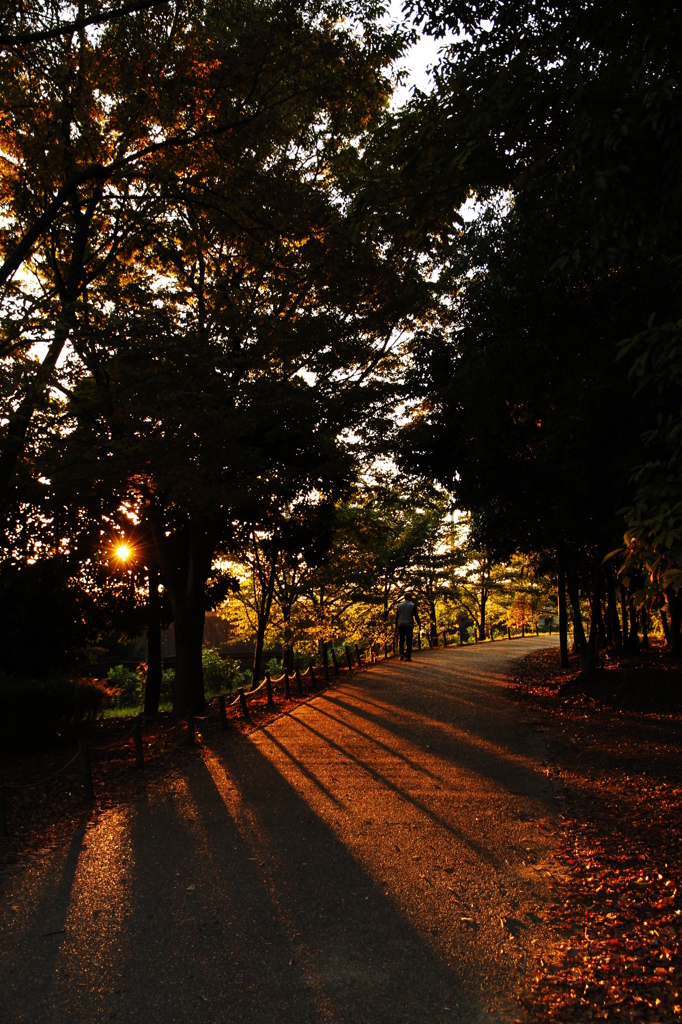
[614, 749]
[431, 842]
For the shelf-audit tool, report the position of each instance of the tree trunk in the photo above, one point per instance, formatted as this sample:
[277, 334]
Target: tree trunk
[432, 621]
[612, 609]
[152, 692]
[632, 638]
[189, 642]
[606, 618]
[587, 658]
[601, 632]
[267, 590]
[578, 632]
[675, 617]
[563, 622]
[624, 613]
[484, 600]
[185, 561]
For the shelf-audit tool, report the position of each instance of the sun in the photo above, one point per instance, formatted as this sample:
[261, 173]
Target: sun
[123, 552]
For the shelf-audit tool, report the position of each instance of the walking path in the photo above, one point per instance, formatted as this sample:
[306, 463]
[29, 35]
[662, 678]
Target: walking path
[383, 854]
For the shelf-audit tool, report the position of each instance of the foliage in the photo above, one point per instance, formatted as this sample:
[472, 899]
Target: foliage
[43, 615]
[221, 674]
[127, 686]
[37, 712]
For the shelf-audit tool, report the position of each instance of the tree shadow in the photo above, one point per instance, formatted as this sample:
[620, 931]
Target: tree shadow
[40, 936]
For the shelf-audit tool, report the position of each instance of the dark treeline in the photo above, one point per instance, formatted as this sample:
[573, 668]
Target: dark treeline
[549, 400]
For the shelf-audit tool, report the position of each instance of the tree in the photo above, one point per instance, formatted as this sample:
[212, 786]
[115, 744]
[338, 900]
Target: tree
[136, 118]
[243, 341]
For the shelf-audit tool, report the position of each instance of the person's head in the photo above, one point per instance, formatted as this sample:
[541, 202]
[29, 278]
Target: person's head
[408, 596]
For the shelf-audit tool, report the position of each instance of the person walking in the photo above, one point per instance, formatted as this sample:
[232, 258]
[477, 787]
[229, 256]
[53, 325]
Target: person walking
[405, 615]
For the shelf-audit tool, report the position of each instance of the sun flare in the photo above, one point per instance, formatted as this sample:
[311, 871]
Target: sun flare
[123, 552]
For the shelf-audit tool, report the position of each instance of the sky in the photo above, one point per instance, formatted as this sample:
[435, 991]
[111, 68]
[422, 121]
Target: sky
[420, 57]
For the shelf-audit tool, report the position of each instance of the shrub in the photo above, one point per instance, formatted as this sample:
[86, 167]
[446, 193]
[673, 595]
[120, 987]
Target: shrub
[38, 712]
[221, 673]
[127, 686]
[274, 666]
[167, 685]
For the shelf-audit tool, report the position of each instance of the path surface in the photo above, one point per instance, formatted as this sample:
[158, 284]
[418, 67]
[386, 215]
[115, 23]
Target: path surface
[381, 855]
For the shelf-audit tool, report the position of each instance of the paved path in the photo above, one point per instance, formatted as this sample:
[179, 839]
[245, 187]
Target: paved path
[381, 855]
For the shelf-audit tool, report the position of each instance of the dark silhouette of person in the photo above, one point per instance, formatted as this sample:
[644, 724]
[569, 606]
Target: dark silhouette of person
[405, 615]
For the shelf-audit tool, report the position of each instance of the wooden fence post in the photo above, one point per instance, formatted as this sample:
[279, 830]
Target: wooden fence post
[222, 714]
[139, 752]
[86, 768]
[336, 666]
[311, 669]
[287, 692]
[299, 681]
[537, 629]
[445, 638]
[190, 727]
[325, 660]
[430, 642]
[3, 812]
[242, 703]
[359, 657]
[268, 689]
[508, 633]
[350, 663]
[385, 650]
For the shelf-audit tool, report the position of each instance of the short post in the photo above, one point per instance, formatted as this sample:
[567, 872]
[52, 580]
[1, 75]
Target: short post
[190, 727]
[550, 627]
[461, 638]
[350, 663]
[419, 639]
[358, 654]
[86, 768]
[3, 812]
[268, 689]
[336, 665]
[287, 692]
[139, 752]
[385, 650]
[523, 629]
[299, 681]
[508, 633]
[325, 660]
[445, 639]
[222, 714]
[311, 669]
[242, 703]
[537, 629]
